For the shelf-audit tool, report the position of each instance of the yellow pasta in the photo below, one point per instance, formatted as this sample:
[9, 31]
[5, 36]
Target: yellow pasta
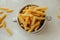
[30, 15]
[2, 22]
[3, 9]
[41, 8]
[37, 13]
[33, 20]
[21, 25]
[32, 27]
[40, 18]
[1, 25]
[1, 12]
[2, 18]
[32, 7]
[58, 17]
[37, 26]
[9, 11]
[24, 24]
[7, 29]
[40, 13]
[6, 9]
[29, 20]
[20, 19]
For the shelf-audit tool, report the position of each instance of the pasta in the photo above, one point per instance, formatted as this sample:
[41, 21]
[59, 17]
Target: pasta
[2, 21]
[7, 29]
[1, 12]
[6, 9]
[2, 18]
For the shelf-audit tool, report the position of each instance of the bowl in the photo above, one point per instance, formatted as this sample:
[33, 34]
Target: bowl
[43, 22]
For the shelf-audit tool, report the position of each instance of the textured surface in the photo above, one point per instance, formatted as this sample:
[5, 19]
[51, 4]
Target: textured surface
[52, 30]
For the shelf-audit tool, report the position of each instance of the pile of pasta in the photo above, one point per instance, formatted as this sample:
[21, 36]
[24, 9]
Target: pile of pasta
[31, 17]
[2, 22]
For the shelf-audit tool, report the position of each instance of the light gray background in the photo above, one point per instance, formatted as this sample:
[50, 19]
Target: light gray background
[52, 30]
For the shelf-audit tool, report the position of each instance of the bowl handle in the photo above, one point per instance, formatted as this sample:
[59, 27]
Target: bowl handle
[14, 19]
[49, 18]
